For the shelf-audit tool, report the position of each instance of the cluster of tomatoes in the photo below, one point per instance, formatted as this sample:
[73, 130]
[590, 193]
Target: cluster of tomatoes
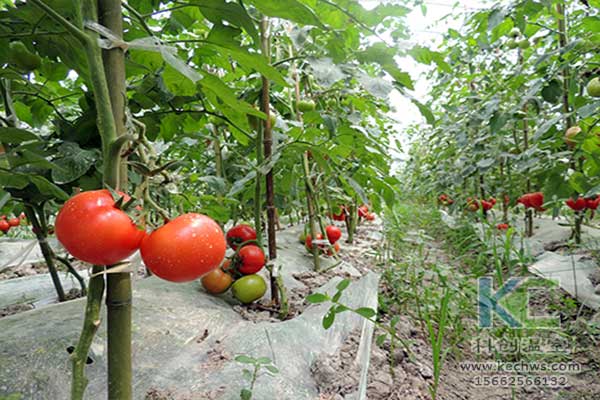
[7, 223]
[532, 200]
[582, 204]
[93, 228]
[333, 235]
[247, 260]
[445, 200]
[486, 205]
[363, 212]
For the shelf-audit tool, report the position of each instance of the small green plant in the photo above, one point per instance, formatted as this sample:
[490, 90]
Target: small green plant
[436, 338]
[257, 366]
[366, 312]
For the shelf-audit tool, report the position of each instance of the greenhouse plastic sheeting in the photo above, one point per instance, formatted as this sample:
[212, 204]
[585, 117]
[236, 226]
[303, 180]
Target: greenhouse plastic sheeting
[572, 274]
[184, 342]
[22, 251]
[35, 289]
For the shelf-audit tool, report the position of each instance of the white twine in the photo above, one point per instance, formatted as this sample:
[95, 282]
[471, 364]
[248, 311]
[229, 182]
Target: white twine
[168, 53]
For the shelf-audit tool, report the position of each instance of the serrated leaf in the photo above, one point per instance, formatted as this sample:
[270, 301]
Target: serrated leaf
[74, 163]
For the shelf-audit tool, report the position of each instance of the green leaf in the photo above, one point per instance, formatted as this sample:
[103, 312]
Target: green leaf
[315, 298]
[16, 135]
[73, 163]
[579, 182]
[272, 369]
[328, 319]
[177, 83]
[380, 340]
[264, 360]
[217, 11]
[343, 284]
[222, 91]
[244, 359]
[366, 312]
[47, 187]
[23, 112]
[11, 180]
[247, 374]
[292, 10]
[552, 92]
[246, 394]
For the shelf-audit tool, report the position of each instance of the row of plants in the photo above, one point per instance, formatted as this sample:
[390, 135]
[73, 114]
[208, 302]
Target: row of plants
[151, 125]
[517, 112]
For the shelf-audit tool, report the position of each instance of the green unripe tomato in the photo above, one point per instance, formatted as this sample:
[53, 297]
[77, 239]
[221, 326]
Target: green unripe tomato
[22, 58]
[302, 237]
[593, 87]
[249, 288]
[331, 103]
[514, 33]
[524, 44]
[306, 105]
[512, 44]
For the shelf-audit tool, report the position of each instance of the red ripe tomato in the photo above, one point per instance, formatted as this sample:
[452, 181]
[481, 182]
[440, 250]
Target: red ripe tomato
[3, 217]
[341, 216]
[22, 216]
[309, 243]
[4, 226]
[14, 222]
[537, 200]
[240, 234]
[592, 204]
[363, 211]
[577, 205]
[336, 248]
[251, 259]
[370, 217]
[93, 230]
[185, 248]
[486, 205]
[502, 227]
[333, 233]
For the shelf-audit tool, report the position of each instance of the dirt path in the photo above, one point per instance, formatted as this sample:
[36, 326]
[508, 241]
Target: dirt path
[396, 373]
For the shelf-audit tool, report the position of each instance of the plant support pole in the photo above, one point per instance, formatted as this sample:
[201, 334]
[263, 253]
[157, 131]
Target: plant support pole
[118, 285]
